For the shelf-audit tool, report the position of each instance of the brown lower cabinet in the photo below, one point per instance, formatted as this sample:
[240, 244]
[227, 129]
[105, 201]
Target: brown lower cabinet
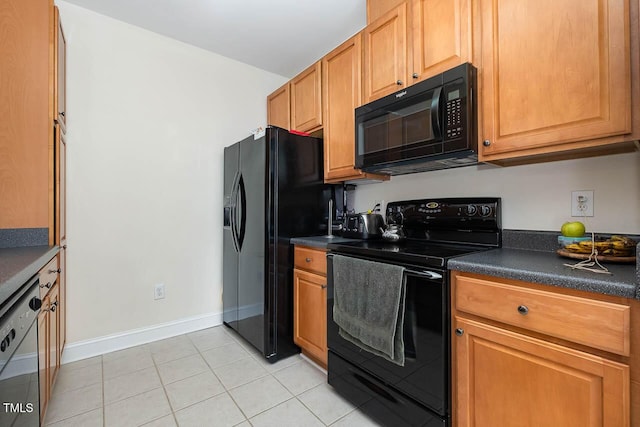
[310, 303]
[515, 361]
[50, 331]
[507, 379]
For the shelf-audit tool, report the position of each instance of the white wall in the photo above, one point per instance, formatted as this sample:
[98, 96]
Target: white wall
[148, 118]
[534, 197]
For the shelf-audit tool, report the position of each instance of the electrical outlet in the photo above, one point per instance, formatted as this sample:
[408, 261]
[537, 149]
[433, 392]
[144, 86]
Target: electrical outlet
[582, 203]
[158, 291]
[380, 204]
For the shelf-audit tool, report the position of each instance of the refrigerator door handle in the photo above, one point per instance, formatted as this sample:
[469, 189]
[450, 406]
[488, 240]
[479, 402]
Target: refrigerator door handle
[243, 212]
[234, 208]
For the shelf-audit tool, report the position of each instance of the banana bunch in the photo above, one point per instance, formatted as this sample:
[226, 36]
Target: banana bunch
[616, 245]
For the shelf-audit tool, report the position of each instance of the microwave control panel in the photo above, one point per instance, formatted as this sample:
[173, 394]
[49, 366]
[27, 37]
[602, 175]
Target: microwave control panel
[454, 119]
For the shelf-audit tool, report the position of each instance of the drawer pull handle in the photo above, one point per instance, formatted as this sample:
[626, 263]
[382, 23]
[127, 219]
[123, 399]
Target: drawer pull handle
[523, 309]
[308, 259]
[54, 271]
[323, 286]
[459, 332]
[48, 285]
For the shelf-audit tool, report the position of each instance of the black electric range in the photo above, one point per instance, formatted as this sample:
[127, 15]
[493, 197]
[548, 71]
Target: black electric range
[436, 230]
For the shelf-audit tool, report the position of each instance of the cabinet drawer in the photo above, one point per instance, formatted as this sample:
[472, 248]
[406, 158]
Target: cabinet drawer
[597, 324]
[48, 276]
[314, 260]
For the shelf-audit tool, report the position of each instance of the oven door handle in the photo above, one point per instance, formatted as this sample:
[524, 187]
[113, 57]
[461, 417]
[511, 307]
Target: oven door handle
[428, 274]
[425, 273]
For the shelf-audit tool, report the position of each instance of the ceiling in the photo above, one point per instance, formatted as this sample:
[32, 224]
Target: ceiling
[280, 36]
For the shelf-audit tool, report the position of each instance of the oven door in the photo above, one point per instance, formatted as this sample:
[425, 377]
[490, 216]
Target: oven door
[425, 375]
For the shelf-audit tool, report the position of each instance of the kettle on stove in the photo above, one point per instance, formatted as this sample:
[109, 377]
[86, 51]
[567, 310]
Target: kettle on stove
[393, 233]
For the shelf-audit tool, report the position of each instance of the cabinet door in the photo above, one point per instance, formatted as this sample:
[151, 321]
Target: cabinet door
[507, 379]
[62, 298]
[60, 46]
[385, 54]
[25, 113]
[341, 84]
[43, 354]
[441, 36]
[278, 108]
[60, 211]
[310, 313]
[341, 73]
[306, 99]
[54, 333]
[553, 73]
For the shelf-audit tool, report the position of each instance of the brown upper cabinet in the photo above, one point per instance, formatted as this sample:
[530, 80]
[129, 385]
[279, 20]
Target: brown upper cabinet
[554, 81]
[377, 8]
[385, 54]
[440, 36]
[278, 105]
[341, 83]
[60, 70]
[26, 111]
[414, 41]
[556, 76]
[297, 105]
[306, 99]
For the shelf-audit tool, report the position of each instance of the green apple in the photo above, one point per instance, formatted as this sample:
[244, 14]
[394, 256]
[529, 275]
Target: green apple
[573, 229]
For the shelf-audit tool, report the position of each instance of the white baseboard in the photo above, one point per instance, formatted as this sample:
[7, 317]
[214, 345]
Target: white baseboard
[106, 344]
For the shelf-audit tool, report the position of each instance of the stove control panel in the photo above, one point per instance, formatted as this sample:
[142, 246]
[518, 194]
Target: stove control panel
[450, 213]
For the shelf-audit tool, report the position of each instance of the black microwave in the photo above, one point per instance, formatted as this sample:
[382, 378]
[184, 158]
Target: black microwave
[427, 126]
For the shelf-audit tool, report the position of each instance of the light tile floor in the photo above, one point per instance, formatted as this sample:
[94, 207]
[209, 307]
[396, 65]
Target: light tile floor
[207, 378]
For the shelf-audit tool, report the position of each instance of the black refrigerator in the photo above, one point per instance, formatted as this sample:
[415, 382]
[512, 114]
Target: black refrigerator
[273, 191]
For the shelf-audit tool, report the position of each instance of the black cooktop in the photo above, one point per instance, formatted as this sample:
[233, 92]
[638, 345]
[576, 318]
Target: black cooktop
[437, 230]
[412, 252]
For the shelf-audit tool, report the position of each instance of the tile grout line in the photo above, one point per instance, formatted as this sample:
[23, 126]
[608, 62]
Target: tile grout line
[104, 411]
[164, 390]
[219, 380]
[200, 352]
[309, 409]
[45, 423]
[251, 356]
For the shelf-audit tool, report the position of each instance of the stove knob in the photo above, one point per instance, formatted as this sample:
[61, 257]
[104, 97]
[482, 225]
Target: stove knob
[4, 344]
[12, 334]
[398, 218]
[485, 210]
[35, 303]
[471, 210]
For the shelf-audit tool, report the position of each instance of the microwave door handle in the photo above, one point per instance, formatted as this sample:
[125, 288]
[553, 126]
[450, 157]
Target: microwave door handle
[435, 113]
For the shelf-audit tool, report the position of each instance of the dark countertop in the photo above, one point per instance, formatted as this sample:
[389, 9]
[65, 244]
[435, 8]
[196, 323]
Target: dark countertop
[320, 242]
[18, 265]
[548, 268]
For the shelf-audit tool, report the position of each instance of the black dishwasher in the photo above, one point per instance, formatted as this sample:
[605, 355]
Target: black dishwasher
[19, 389]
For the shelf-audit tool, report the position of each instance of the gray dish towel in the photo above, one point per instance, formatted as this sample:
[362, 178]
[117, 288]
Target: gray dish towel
[368, 305]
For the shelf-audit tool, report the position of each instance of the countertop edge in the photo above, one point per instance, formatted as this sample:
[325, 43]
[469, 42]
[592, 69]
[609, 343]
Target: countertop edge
[608, 285]
[320, 242]
[17, 280]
